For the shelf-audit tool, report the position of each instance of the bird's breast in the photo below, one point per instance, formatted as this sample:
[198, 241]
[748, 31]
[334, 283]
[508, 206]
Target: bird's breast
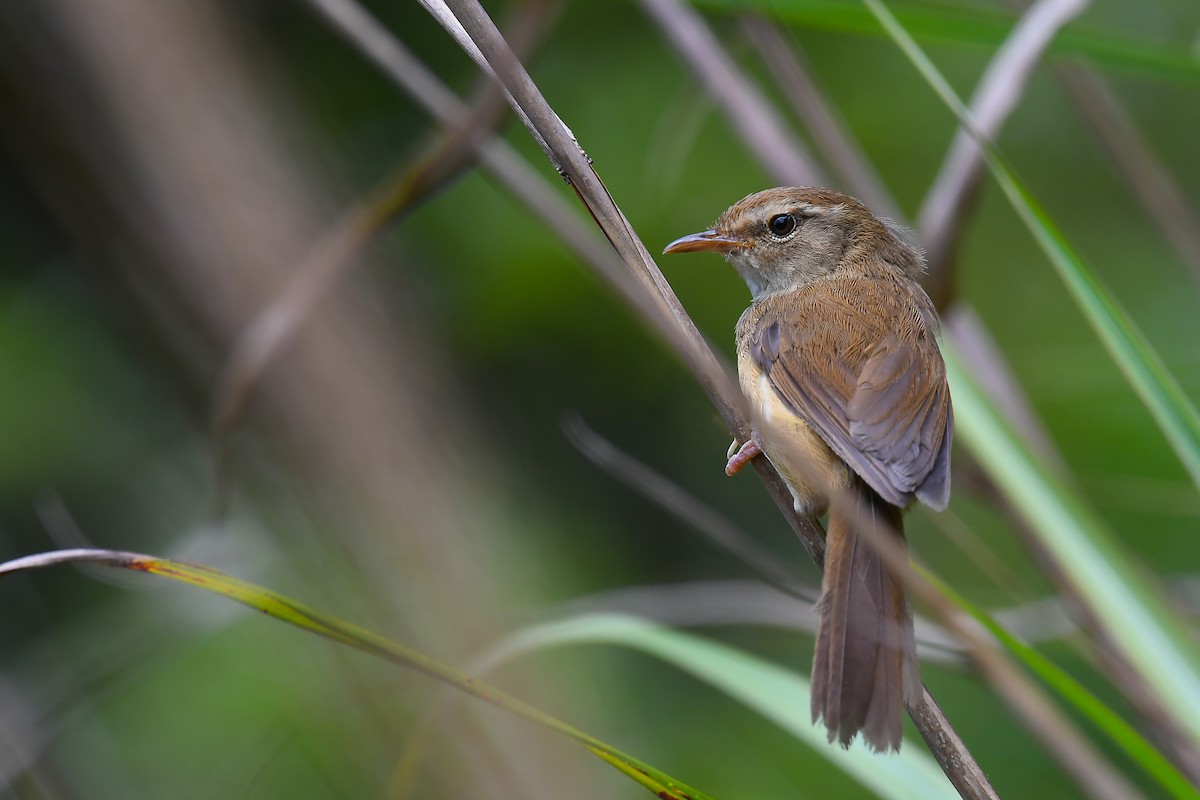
[799, 454]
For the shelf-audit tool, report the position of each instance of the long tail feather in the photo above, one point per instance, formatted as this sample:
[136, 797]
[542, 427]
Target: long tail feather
[865, 664]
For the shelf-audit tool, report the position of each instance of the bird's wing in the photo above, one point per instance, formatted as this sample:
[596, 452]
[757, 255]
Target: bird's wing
[856, 359]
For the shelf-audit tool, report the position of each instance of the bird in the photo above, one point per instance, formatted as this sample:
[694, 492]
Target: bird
[839, 359]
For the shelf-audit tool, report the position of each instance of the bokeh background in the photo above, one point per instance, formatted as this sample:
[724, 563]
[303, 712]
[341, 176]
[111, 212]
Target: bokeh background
[403, 464]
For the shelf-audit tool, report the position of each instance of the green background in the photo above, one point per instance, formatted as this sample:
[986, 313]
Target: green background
[152, 690]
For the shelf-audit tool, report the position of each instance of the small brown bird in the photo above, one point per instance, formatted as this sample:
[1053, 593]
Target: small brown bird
[838, 356]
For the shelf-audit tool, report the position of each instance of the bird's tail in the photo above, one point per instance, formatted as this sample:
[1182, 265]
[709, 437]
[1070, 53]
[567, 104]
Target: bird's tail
[865, 664]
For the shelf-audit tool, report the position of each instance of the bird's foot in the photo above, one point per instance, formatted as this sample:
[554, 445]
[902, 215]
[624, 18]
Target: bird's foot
[741, 455]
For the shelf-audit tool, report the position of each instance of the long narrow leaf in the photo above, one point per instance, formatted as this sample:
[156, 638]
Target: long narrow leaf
[1140, 624]
[980, 27]
[774, 692]
[283, 608]
[1120, 732]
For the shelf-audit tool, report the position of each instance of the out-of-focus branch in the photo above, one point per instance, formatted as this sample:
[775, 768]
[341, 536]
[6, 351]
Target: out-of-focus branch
[747, 602]
[333, 255]
[948, 749]
[340, 248]
[745, 107]
[950, 200]
[515, 175]
[169, 143]
[809, 104]
[1145, 174]
[660, 490]
[1150, 180]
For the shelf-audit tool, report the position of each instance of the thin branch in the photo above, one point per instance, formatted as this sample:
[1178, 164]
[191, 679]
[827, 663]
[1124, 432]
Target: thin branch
[1135, 161]
[1152, 183]
[659, 489]
[948, 749]
[658, 305]
[279, 322]
[745, 107]
[809, 104]
[439, 11]
[343, 246]
[950, 200]
[577, 169]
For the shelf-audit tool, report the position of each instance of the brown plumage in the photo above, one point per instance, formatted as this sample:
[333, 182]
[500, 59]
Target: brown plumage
[838, 357]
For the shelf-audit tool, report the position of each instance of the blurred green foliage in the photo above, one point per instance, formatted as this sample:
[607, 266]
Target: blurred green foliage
[157, 697]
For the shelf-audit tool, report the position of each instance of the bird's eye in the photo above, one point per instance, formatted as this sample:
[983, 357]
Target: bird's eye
[781, 225]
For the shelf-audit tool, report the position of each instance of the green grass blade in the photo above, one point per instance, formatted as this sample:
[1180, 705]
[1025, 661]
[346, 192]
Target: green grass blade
[772, 691]
[982, 29]
[1139, 623]
[1120, 732]
[283, 608]
[1141, 364]
[1145, 371]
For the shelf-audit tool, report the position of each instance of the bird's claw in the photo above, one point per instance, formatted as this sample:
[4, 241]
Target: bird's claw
[741, 455]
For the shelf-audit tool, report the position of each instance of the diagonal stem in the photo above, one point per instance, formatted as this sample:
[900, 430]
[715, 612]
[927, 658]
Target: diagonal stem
[955, 759]
[745, 106]
[833, 138]
[950, 201]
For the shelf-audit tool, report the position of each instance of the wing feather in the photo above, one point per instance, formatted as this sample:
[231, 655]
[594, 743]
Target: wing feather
[876, 393]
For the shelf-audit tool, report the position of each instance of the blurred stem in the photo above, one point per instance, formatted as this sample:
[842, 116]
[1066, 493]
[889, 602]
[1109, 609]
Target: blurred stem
[443, 161]
[810, 105]
[658, 307]
[746, 108]
[1135, 161]
[657, 488]
[278, 323]
[951, 199]
[949, 750]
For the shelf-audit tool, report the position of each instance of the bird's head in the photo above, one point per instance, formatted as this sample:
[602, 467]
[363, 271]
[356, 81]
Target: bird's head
[782, 238]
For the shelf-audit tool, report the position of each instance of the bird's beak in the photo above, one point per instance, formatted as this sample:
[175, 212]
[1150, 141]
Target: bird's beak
[704, 241]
